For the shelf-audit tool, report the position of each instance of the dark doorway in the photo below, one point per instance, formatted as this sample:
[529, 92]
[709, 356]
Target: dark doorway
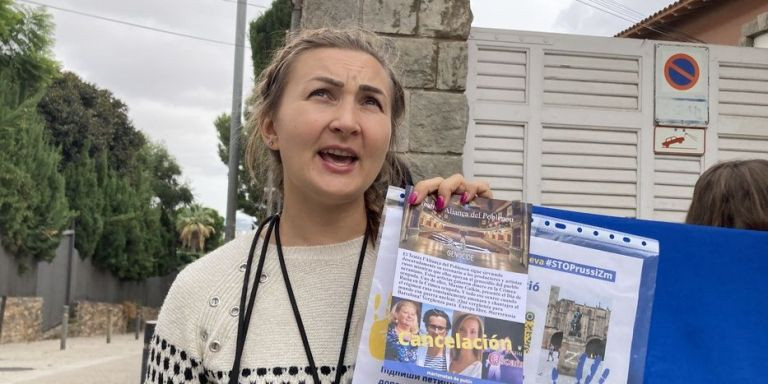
[595, 348]
[556, 340]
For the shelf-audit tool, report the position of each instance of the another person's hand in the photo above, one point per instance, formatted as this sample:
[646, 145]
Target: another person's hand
[444, 188]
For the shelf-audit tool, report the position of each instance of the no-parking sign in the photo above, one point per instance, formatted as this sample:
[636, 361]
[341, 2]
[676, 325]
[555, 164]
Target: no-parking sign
[682, 86]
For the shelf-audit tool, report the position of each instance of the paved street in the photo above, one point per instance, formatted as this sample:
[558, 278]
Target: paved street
[87, 360]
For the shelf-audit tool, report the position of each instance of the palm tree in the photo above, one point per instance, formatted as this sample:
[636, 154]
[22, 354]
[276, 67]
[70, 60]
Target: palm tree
[195, 225]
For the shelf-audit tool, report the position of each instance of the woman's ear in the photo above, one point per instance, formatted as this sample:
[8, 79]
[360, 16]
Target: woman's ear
[269, 135]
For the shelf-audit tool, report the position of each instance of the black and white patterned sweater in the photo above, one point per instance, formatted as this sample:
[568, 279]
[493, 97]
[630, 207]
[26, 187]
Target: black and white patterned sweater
[195, 337]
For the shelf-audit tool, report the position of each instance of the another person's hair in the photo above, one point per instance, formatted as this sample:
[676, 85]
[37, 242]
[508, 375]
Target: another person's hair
[732, 194]
[396, 308]
[457, 324]
[263, 163]
[434, 312]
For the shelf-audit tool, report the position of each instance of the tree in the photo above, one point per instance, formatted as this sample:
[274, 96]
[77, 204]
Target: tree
[266, 34]
[86, 198]
[33, 207]
[166, 173]
[124, 191]
[80, 115]
[195, 224]
[25, 49]
[124, 188]
[250, 191]
[169, 192]
[217, 239]
[130, 244]
[108, 185]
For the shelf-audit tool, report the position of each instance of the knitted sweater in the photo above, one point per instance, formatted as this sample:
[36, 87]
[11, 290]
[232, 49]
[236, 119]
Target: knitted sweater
[196, 332]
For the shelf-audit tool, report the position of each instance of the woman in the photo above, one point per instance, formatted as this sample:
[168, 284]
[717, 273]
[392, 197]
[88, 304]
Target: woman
[403, 325]
[732, 194]
[466, 361]
[290, 308]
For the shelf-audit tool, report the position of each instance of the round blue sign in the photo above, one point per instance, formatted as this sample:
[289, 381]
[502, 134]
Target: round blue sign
[681, 71]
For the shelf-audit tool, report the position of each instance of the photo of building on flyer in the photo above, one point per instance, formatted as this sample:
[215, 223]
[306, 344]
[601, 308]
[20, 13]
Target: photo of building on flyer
[575, 336]
[484, 233]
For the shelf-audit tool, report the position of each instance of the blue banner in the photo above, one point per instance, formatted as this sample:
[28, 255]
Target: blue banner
[709, 317]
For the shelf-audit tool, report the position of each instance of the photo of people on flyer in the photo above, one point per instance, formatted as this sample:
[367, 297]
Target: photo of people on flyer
[458, 344]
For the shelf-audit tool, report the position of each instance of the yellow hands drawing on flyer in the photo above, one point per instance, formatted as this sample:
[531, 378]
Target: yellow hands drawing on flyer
[378, 336]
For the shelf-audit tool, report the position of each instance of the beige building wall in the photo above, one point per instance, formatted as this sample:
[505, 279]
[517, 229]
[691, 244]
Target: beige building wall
[721, 23]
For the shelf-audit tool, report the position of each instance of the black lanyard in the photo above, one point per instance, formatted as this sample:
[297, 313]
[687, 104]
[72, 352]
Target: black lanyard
[244, 317]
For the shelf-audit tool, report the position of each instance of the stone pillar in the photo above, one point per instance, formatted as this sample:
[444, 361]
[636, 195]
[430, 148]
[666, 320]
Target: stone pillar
[755, 33]
[431, 38]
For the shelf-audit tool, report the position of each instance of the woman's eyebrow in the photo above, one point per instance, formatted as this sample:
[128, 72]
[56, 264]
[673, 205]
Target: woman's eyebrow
[340, 84]
[371, 89]
[331, 81]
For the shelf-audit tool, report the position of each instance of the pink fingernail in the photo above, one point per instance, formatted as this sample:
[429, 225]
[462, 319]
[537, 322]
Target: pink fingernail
[440, 204]
[464, 197]
[413, 197]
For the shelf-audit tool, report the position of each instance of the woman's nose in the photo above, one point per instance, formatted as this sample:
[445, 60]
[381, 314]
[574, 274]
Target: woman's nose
[345, 121]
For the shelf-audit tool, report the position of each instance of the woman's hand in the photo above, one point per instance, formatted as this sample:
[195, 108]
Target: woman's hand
[455, 184]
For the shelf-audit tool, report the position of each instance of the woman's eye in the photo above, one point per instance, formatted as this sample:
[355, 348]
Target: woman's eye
[320, 93]
[372, 101]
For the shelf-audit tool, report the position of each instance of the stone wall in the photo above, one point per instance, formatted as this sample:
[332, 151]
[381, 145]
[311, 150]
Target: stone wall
[91, 318]
[22, 319]
[431, 37]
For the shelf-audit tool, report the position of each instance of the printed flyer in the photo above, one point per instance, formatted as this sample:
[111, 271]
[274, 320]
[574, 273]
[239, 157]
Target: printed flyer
[448, 302]
[589, 300]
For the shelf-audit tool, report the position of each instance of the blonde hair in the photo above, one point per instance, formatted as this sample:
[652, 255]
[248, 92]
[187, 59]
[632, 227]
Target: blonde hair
[399, 305]
[264, 163]
[732, 194]
[478, 353]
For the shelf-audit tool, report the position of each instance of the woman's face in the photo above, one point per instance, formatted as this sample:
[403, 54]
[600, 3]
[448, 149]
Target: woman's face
[406, 316]
[469, 329]
[333, 125]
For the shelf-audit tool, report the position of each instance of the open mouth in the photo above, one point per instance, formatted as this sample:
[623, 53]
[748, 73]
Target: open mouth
[338, 156]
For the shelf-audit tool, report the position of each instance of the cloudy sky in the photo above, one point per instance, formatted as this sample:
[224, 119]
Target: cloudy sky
[176, 86]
